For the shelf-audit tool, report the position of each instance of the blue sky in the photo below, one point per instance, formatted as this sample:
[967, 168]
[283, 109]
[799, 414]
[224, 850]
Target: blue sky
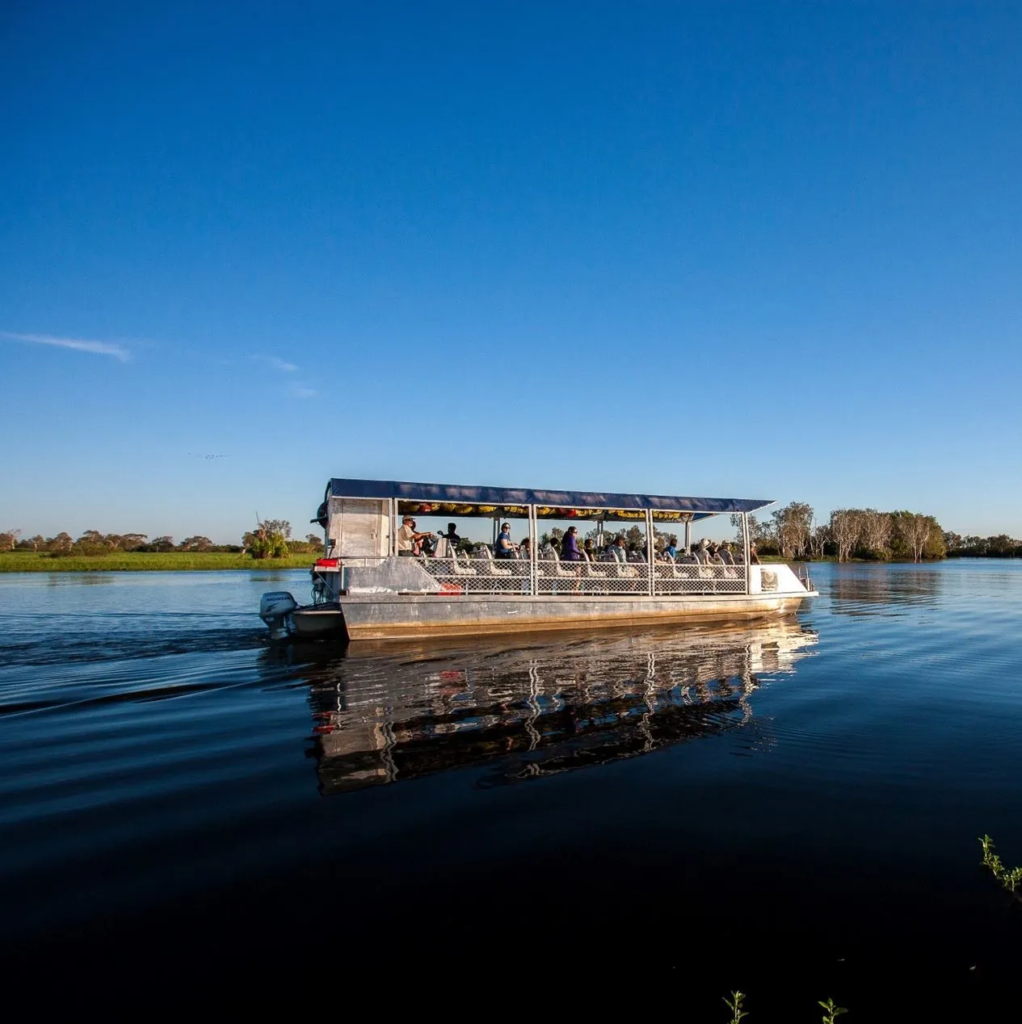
[744, 249]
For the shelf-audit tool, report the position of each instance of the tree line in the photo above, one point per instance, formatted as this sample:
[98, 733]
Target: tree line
[790, 532]
[271, 539]
[870, 535]
[1001, 546]
[859, 533]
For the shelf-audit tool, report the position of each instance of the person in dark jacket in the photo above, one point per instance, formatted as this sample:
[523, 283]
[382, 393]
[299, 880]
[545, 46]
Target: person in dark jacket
[569, 546]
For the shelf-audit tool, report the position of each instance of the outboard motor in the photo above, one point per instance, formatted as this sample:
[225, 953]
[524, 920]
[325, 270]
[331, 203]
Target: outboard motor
[275, 610]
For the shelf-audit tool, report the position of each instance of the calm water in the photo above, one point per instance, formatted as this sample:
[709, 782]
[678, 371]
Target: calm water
[789, 808]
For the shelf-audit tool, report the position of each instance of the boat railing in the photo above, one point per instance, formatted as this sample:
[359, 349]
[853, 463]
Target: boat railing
[481, 573]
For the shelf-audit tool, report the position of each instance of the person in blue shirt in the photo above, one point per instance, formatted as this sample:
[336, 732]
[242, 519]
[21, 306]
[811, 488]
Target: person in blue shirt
[671, 551]
[504, 548]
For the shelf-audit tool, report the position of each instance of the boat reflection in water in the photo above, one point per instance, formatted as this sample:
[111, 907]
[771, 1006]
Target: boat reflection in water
[543, 707]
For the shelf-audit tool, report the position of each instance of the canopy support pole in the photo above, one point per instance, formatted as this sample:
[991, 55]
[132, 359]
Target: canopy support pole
[650, 554]
[688, 533]
[747, 553]
[533, 550]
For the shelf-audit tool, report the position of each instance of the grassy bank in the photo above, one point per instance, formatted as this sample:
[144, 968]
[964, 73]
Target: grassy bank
[132, 561]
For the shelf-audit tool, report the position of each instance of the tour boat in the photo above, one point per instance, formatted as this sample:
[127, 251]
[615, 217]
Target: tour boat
[364, 589]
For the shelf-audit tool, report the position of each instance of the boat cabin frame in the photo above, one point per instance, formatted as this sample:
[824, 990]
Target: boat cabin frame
[361, 519]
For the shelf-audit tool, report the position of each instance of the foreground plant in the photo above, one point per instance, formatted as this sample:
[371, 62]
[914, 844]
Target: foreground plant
[1010, 878]
[833, 1011]
[734, 1004]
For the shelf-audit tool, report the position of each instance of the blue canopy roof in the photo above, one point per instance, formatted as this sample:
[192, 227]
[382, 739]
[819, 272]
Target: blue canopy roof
[512, 496]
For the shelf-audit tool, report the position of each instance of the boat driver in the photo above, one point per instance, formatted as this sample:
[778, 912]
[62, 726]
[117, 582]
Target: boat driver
[407, 539]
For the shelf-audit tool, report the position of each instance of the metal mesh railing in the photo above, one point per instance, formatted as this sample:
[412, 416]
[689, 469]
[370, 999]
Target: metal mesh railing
[485, 574]
[556, 577]
[688, 578]
[480, 574]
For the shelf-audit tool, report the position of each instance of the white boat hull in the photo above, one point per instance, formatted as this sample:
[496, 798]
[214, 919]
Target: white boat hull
[406, 617]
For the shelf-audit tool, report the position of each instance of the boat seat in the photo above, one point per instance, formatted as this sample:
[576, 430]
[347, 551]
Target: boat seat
[461, 570]
[590, 571]
[492, 566]
[559, 569]
[624, 571]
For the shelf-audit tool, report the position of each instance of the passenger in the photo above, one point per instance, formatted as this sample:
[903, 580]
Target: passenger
[715, 558]
[671, 551]
[452, 535]
[408, 541]
[634, 554]
[753, 557]
[504, 548]
[569, 546]
[701, 552]
[725, 554]
[525, 549]
[589, 549]
[617, 549]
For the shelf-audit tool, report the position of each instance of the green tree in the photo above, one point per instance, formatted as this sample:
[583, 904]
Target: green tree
[845, 531]
[195, 544]
[875, 537]
[60, 545]
[269, 539]
[935, 546]
[91, 542]
[793, 526]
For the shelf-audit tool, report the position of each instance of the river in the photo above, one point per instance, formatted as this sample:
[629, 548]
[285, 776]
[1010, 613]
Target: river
[791, 808]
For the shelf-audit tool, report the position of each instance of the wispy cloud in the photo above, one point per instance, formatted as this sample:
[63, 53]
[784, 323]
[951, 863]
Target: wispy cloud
[302, 391]
[277, 364]
[98, 348]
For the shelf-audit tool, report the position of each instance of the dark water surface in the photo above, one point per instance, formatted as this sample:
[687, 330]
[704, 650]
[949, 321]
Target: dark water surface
[789, 808]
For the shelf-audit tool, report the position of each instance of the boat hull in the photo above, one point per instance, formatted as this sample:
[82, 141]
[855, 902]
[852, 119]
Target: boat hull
[319, 622]
[406, 616]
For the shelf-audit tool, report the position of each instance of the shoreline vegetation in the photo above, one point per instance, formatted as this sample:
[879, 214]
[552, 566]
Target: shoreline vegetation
[791, 533]
[141, 561]
[269, 546]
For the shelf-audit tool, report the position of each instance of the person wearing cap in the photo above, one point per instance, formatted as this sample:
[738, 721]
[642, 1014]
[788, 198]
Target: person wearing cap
[702, 552]
[617, 549]
[407, 538]
[504, 548]
[725, 553]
